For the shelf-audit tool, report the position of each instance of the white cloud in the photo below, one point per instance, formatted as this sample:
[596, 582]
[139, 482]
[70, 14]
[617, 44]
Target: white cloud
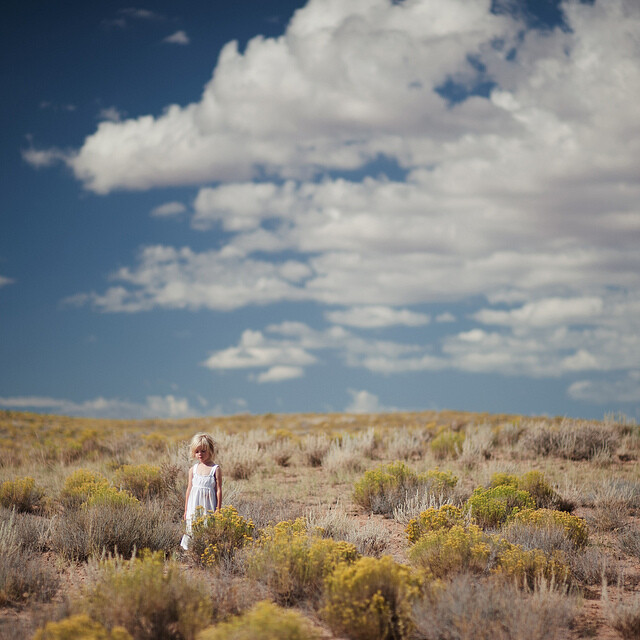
[43, 157]
[376, 317]
[167, 406]
[527, 197]
[179, 37]
[293, 102]
[622, 390]
[445, 317]
[5, 281]
[364, 402]
[168, 209]
[181, 278]
[256, 351]
[546, 312]
[111, 114]
[605, 338]
[280, 373]
[290, 346]
[141, 14]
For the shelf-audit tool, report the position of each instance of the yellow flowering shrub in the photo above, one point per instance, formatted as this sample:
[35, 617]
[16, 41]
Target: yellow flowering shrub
[79, 627]
[107, 496]
[265, 621]
[528, 566]
[441, 552]
[371, 599]
[533, 482]
[293, 562]
[89, 489]
[142, 480]
[432, 519]
[218, 534]
[500, 477]
[79, 485]
[492, 507]
[20, 494]
[575, 528]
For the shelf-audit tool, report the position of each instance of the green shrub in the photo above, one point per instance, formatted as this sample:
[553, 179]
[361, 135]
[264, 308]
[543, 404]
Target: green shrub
[371, 599]
[447, 444]
[20, 494]
[150, 598]
[492, 507]
[442, 552]
[382, 489]
[265, 621]
[529, 566]
[574, 528]
[293, 562]
[141, 480]
[79, 627]
[216, 535]
[433, 519]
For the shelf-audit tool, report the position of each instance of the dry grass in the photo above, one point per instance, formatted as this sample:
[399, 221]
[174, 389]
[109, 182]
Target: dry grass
[88, 532]
[370, 538]
[623, 615]
[468, 608]
[23, 576]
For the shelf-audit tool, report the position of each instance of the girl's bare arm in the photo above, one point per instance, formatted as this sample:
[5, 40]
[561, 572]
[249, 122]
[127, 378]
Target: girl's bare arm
[186, 499]
[218, 489]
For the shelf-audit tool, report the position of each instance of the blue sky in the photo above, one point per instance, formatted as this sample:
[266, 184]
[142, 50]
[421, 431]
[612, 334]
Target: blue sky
[288, 206]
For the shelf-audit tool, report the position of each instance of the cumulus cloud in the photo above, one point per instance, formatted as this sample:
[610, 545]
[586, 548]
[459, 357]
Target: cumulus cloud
[181, 278]
[364, 402]
[168, 406]
[43, 157]
[112, 114]
[376, 316]
[523, 194]
[179, 37]
[605, 341]
[280, 373]
[284, 350]
[256, 351]
[622, 390]
[546, 312]
[168, 210]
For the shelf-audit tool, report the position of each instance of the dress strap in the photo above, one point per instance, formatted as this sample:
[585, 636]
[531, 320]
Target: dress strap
[213, 470]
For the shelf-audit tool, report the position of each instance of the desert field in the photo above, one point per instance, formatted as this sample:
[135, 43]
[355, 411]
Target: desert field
[429, 525]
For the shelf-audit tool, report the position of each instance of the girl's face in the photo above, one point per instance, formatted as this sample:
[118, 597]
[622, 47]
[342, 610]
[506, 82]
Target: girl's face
[203, 455]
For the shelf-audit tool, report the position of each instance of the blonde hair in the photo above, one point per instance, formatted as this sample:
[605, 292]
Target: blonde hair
[203, 441]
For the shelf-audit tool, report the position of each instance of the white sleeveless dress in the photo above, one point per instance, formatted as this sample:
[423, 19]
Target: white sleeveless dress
[203, 494]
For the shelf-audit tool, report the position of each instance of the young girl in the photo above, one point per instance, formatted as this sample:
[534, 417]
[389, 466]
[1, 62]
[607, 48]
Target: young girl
[205, 482]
